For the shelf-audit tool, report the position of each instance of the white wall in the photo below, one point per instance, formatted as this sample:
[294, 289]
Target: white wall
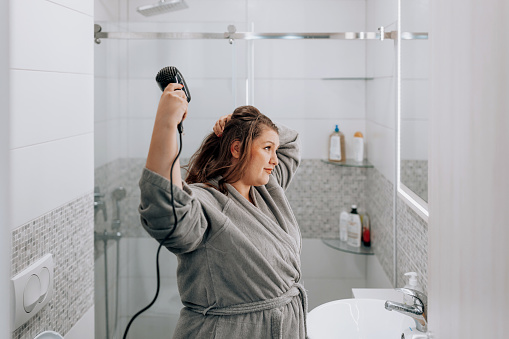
[288, 75]
[51, 116]
[5, 230]
[469, 182]
[381, 92]
[52, 105]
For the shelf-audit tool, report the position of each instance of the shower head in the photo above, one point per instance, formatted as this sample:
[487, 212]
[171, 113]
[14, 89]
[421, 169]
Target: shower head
[161, 7]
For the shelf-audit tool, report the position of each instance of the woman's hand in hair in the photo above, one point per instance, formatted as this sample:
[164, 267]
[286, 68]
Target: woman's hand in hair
[172, 107]
[219, 126]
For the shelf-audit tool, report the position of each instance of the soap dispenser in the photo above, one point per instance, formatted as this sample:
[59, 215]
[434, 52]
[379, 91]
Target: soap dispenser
[337, 146]
[412, 284]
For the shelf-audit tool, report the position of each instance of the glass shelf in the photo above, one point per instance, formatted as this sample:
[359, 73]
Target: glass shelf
[350, 163]
[349, 78]
[344, 247]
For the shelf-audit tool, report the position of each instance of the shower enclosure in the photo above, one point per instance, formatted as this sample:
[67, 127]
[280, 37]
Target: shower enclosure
[231, 53]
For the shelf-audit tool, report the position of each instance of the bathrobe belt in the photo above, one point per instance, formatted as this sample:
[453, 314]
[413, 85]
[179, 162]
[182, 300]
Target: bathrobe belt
[269, 304]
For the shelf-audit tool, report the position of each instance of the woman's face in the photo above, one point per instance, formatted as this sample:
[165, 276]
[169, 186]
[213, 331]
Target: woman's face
[263, 158]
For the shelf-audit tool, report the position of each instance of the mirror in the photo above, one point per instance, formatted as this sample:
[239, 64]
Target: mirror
[413, 106]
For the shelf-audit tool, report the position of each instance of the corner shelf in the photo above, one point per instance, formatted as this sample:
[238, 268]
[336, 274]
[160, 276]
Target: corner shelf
[350, 163]
[344, 247]
[349, 78]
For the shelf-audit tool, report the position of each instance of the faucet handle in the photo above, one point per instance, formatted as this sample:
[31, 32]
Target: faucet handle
[417, 295]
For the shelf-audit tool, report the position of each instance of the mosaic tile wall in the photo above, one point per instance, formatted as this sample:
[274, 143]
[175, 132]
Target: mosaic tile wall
[414, 174]
[412, 244]
[380, 197]
[412, 238]
[66, 232]
[320, 191]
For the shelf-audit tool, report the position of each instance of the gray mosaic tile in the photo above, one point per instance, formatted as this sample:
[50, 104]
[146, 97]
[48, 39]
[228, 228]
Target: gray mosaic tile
[66, 232]
[380, 196]
[319, 192]
[412, 244]
[414, 174]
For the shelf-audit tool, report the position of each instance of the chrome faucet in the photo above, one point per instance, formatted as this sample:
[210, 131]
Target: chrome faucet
[99, 203]
[418, 311]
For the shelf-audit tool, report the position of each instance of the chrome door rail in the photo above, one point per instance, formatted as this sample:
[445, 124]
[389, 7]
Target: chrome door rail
[233, 35]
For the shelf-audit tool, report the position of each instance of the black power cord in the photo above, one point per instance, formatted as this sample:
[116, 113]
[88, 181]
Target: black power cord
[162, 242]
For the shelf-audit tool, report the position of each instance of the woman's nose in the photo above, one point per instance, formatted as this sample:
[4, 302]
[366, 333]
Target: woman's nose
[273, 159]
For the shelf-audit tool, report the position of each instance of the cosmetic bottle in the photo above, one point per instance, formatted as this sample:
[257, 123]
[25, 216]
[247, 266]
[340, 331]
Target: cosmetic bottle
[337, 146]
[354, 228]
[358, 147]
[366, 231]
[412, 284]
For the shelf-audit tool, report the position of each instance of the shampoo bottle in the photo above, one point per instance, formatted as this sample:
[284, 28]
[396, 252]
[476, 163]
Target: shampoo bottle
[412, 284]
[354, 228]
[366, 231]
[337, 146]
[358, 147]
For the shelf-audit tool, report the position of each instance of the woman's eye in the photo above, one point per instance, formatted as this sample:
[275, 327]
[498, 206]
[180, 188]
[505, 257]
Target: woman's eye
[267, 147]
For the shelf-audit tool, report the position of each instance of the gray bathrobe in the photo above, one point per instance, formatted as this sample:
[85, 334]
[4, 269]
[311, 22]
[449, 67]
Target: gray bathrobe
[238, 263]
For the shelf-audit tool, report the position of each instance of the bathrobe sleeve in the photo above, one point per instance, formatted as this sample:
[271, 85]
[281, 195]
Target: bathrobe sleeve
[288, 155]
[156, 213]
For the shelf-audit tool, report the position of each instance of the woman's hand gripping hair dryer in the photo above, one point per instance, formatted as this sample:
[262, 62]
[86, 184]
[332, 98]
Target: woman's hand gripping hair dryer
[169, 75]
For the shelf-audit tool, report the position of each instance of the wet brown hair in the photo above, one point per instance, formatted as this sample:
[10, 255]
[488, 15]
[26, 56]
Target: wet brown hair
[214, 157]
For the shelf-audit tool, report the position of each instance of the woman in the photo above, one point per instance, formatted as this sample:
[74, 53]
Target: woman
[237, 241]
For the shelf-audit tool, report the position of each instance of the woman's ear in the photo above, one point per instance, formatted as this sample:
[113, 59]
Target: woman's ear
[235, 149]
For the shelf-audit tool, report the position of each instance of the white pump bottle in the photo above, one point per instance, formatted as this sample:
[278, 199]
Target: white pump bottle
[412, 284]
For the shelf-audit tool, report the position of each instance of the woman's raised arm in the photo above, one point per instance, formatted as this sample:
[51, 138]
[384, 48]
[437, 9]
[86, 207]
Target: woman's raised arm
[163, 149]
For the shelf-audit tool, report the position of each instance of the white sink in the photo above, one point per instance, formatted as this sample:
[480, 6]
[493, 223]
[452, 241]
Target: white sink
[357, 319]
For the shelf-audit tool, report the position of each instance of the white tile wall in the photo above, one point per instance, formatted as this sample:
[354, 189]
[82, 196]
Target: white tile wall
[311, 98]
[85, 7]
[381, 149]
[198, 11]
[51, 140]
[194, 58]
[57, 41]
[415, 99]
[209, 97]
[381, 101]
[381, 58]
[5, 234]
[415, 16]
[50, 174]
[309, 59]
[414, 140]
[60, 106]
[381, 13]
[381, 92]
[305, 16]
[110, 141]
[415, 59]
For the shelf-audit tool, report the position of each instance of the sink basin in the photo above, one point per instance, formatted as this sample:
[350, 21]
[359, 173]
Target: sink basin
[357, 319]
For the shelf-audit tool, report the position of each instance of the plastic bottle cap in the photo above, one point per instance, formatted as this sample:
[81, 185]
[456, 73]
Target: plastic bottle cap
[358, 135]
[354, 206]
[412, 281]
[337, 129]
